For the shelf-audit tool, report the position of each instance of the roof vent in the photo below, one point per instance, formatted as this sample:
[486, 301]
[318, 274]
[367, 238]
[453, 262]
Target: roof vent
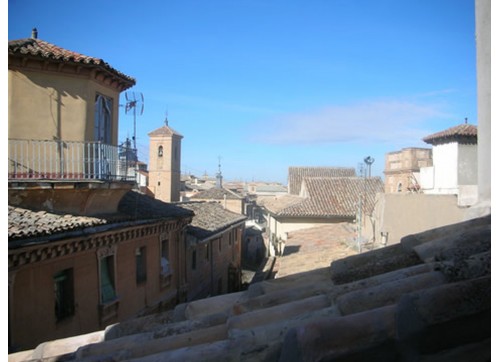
[34, 33]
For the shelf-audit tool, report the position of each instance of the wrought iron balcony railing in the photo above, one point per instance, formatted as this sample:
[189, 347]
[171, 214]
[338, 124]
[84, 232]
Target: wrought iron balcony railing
[70, 160]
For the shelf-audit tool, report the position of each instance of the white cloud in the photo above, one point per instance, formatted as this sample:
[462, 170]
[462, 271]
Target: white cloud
[373, 121]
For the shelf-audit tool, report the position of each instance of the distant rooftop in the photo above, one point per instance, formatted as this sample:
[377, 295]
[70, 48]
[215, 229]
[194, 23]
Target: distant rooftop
[329, 197]
[216, 194]
[463, 133]
[209, 218]
[164, 131]
[297, 174]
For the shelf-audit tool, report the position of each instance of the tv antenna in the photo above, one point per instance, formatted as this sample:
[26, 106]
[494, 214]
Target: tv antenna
[135, 104]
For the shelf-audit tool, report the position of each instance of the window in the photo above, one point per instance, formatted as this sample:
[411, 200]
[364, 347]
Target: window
[107, 278]
[193, 260]
[141, 274]
[103, 118]
[160, 151]
[64, 295]
[164, 258]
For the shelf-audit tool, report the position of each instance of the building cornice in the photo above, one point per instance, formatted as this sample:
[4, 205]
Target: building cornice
[43, 249]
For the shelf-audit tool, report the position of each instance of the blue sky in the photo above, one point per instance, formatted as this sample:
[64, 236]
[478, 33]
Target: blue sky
[268, 84]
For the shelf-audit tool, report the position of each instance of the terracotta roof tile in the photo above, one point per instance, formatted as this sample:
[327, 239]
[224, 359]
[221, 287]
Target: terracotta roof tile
[25, 223]
[277, 203]
[335, 196]
[297, 174]
[463, 133]
[216, 194]
[45, 50]
[164, 131]
[134, 206]
[209, 218]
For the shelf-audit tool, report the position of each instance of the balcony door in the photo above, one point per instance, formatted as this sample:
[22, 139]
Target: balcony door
[103, 118]
[101, 166]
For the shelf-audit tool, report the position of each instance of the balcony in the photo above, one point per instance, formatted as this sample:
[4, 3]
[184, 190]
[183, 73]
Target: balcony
[70, 160]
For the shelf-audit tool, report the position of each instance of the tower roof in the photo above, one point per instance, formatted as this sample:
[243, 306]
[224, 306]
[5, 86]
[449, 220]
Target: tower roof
[164, 131]
[463, 133]
[35, 48]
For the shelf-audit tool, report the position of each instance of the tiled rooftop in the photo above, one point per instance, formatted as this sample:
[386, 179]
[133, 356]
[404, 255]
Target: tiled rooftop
[333, 197]
[277, 203]
[425, 299]
[209, 218]
[164, 131]
[134, 206]
[463, 133]
[25, 223]
[297, 174]
[216, 193]
[37, 48]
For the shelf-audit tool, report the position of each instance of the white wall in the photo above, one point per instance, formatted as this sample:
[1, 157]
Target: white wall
[445, 161]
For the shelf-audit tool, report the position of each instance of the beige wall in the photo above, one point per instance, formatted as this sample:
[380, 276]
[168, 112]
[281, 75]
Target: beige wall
[47, 105]
[404, 214]
[232, 205]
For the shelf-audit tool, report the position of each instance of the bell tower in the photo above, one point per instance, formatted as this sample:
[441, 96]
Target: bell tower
[165, 163]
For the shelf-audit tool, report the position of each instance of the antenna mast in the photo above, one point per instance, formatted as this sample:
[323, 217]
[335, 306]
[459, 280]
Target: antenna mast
[134, 100]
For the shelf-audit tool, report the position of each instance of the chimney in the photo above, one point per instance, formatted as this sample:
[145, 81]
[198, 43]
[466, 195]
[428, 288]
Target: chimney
[34, 33]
